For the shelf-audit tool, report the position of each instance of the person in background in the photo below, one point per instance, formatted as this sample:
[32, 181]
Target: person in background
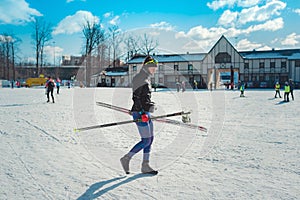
[183, 86]
[242, 89]
[291, 84]
[286, 92]
[58, 82]
[141, 109]
[18, 84]
[178, 86]
[195, 85]
[277, 90]
[50, 85]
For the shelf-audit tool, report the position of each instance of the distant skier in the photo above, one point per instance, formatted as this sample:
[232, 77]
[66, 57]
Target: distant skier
[142, 106]
[183, 86]
[195, 85]
[242, 89]
[178, 86]
[286, 92]
[50, 85]
[277, 89]
[291, 84]
[58, 82]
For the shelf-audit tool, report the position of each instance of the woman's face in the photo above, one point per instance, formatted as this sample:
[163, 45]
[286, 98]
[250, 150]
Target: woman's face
[152, 70]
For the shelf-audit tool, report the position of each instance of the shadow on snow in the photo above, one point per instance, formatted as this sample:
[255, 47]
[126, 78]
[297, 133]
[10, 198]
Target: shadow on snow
[95, 191]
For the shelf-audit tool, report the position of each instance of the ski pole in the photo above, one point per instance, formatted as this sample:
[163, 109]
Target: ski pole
[130, 121]
[169, 121]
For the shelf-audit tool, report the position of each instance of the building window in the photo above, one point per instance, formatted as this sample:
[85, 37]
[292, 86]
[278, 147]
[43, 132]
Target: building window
[223, 58]
[134, 68]
[283, 66]
[297, 63]
[261, 78]
[161, 80]
[261, 65]
[272, 64]
[190, 67]
[176, 68]
[246, 66]
[160, 68]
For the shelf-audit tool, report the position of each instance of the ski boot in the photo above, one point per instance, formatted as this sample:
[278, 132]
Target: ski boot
[125, 163]
[146, 169]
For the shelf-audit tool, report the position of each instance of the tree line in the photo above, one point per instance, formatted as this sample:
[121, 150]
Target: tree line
[108, 46]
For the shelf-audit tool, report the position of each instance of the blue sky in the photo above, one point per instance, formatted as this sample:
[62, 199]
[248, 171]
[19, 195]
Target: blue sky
[179, 26]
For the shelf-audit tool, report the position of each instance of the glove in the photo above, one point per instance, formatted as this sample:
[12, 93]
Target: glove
[144, 116]
[152, 107]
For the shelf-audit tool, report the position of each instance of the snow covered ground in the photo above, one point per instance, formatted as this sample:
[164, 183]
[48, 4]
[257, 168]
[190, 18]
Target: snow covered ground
[251, 149]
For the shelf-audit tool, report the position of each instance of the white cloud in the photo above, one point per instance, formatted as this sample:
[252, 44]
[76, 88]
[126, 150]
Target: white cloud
[6, 38]
[217, 4]
[262, 13]
[228, 18]
[163, 26]
[115, 20]
[271, 25]
[297, 11]
[200, 32]
[291, 40]
[245, 45]
[108, 14]
[51, 51]
[248, 3]
[74, 23]
[16, 12]
[206, 37]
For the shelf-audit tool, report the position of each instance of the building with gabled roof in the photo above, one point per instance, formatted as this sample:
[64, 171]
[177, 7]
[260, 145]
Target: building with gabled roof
[223, 65]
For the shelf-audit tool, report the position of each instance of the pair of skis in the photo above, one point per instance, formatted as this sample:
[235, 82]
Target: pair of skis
[160, 118]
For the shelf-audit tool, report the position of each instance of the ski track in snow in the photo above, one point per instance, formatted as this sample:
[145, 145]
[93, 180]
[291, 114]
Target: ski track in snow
[251, 150]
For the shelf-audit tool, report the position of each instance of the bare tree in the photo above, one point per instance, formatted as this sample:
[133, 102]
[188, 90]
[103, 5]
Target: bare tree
[115, 40]
[5, 54]
[148, 45]
[94, 35]
[132, 46]
[40, 36]
[8, 50]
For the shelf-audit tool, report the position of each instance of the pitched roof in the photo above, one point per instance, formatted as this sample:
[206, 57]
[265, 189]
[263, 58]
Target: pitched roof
[290, 54]
[170, 58]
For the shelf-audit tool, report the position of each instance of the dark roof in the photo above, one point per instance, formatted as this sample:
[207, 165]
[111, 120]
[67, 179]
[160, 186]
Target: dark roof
[290, 54]
[170, 58]
[117, 69]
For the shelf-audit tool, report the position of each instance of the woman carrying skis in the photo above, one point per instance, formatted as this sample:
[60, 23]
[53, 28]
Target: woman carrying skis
[141, 109]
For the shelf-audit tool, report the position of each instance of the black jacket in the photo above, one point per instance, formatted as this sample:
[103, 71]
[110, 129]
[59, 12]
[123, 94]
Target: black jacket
[141, 88]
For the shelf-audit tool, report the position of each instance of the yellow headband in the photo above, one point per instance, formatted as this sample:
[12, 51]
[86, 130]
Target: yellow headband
[151, 61]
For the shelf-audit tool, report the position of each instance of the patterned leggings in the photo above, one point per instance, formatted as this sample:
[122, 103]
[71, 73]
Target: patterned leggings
[146, 133]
